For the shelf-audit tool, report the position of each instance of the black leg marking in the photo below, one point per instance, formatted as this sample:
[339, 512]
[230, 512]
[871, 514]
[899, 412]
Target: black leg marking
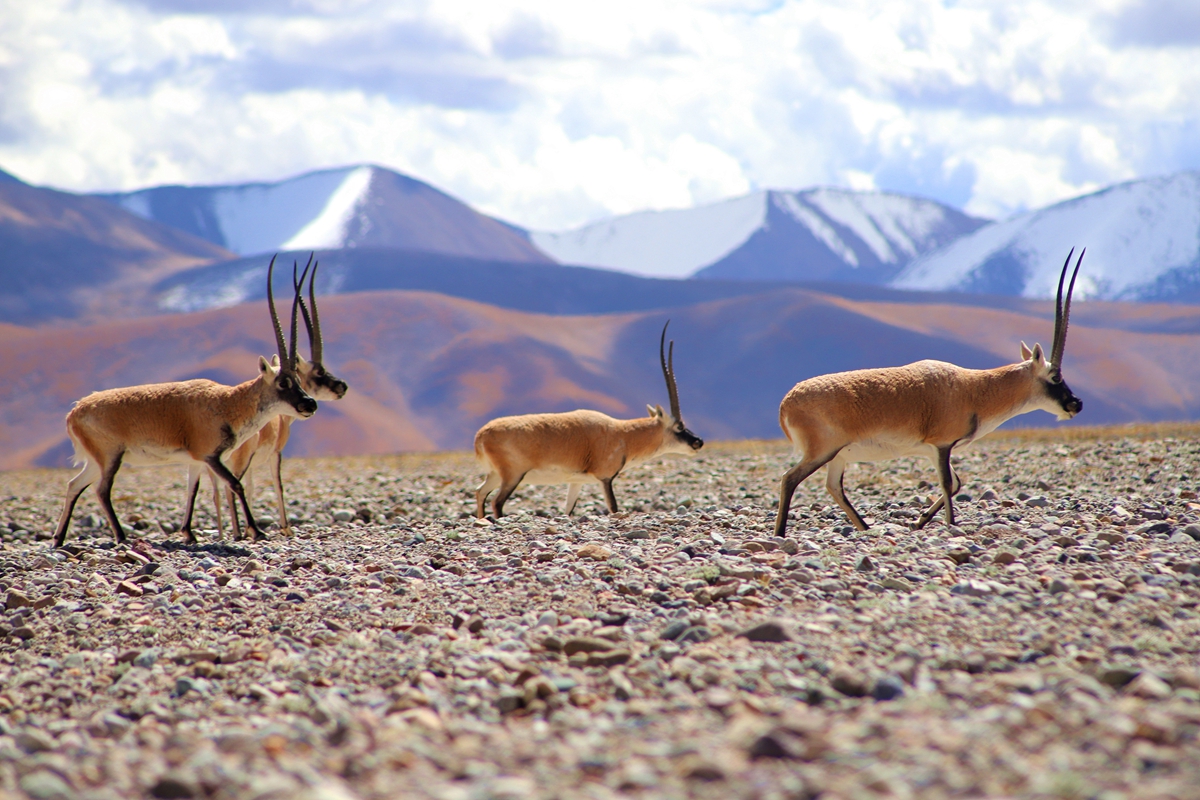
[840, 497]
[189, 510]
[214, 463]
[64, 521]
[950, 484]
[104, 491]
[787, 487]
[609, 497]
[502, 495]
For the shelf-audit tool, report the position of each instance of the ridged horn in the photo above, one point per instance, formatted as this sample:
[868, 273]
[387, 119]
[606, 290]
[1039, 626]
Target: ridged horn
[1062, 311]
[314, 331]
[668, 368]
[295, 314]
[280, 343]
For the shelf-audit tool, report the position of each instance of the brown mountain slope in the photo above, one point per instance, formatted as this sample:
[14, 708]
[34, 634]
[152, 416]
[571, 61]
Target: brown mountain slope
[72, 257]
[426, 370]
[403, 212]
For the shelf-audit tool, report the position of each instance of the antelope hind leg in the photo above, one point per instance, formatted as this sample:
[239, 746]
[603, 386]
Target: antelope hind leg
[787, 487]
[490, 483]
[85, 478]
[573, 490]
[835, 486]
[506, 490]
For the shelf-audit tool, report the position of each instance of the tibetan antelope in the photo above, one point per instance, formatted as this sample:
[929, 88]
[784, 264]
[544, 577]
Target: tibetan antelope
[187, 421]
[578, 446]
[927, 408]
[267, 445]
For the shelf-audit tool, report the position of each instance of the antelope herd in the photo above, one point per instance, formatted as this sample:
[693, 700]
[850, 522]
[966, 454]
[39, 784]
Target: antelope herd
[926, 408]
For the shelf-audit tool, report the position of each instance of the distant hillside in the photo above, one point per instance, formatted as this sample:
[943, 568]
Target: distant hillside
[69, 257]
[822, 234]
[360, 206]
[541, 288]
[426, 370]
[1142, 240]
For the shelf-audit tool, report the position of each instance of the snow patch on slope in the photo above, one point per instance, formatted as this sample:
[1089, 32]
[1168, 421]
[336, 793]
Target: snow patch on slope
[1135, 233]
[884, 222]
[328, 229]
[660, 244]
[267, 217]
[823, 231]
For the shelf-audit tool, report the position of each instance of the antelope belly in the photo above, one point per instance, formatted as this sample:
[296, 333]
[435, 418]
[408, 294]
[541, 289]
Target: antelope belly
[151, 455]
[551, 477]
[884, 449]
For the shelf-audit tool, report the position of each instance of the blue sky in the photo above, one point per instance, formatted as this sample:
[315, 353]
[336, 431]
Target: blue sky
[553, 114]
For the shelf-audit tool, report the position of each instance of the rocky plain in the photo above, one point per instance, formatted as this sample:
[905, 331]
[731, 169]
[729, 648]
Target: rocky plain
[393, 646]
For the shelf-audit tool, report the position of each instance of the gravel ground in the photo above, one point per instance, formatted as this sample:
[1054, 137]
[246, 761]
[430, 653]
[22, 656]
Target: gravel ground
[1047, 647]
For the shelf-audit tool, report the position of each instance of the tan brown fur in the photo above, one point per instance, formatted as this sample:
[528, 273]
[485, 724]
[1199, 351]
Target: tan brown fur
[926, 408]
[266, 447]
[571, 447]
[189, 422]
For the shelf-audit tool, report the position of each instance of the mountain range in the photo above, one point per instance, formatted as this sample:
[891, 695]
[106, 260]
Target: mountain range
[1143, 237]
[360, 206]
[425, 369]
[442, 317]
[820, 234]
[68, 256]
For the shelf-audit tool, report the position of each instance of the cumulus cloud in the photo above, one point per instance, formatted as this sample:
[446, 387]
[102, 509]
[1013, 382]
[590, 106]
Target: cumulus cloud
[553, 114]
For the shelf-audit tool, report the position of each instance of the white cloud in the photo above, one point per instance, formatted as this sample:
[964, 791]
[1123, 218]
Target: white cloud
[551, 114]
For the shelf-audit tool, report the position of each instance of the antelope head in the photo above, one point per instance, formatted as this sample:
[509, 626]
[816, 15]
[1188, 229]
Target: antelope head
[676, 436]
[323, 384]
[1052, 392]
[282, 375]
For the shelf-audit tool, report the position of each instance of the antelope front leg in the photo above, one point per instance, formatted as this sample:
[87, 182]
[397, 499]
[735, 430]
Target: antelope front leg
[950, 486]
[609, 497]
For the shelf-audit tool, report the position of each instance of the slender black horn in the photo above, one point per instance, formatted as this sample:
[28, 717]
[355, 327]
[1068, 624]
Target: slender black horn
[298, 287]
[668, 368]
[295, 319]
[1062, 311]
[279, 340]
[317, 341]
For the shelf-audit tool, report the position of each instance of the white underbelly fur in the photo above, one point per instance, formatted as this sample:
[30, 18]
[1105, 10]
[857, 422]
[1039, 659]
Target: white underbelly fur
[553, 477]
[883, 450]
[148, 456]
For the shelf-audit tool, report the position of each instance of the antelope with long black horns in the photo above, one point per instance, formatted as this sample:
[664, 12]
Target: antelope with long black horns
[267, 445]
[577, 447]
[927, 408]
[190, 422]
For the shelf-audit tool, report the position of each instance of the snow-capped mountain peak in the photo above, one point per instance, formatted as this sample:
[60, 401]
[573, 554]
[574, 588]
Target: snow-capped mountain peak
[816, 234]
[328, 229]
[666, 244]
[1142, 240]
[355, 206]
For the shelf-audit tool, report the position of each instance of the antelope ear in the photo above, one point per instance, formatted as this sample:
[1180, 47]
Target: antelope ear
[1037, 354]
[1026, 353]
[650, 411]
[275, 361]
[266, 368]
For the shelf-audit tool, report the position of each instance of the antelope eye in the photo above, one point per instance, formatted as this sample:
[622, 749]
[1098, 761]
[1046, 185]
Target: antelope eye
[1056, 378]
[286, 382]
